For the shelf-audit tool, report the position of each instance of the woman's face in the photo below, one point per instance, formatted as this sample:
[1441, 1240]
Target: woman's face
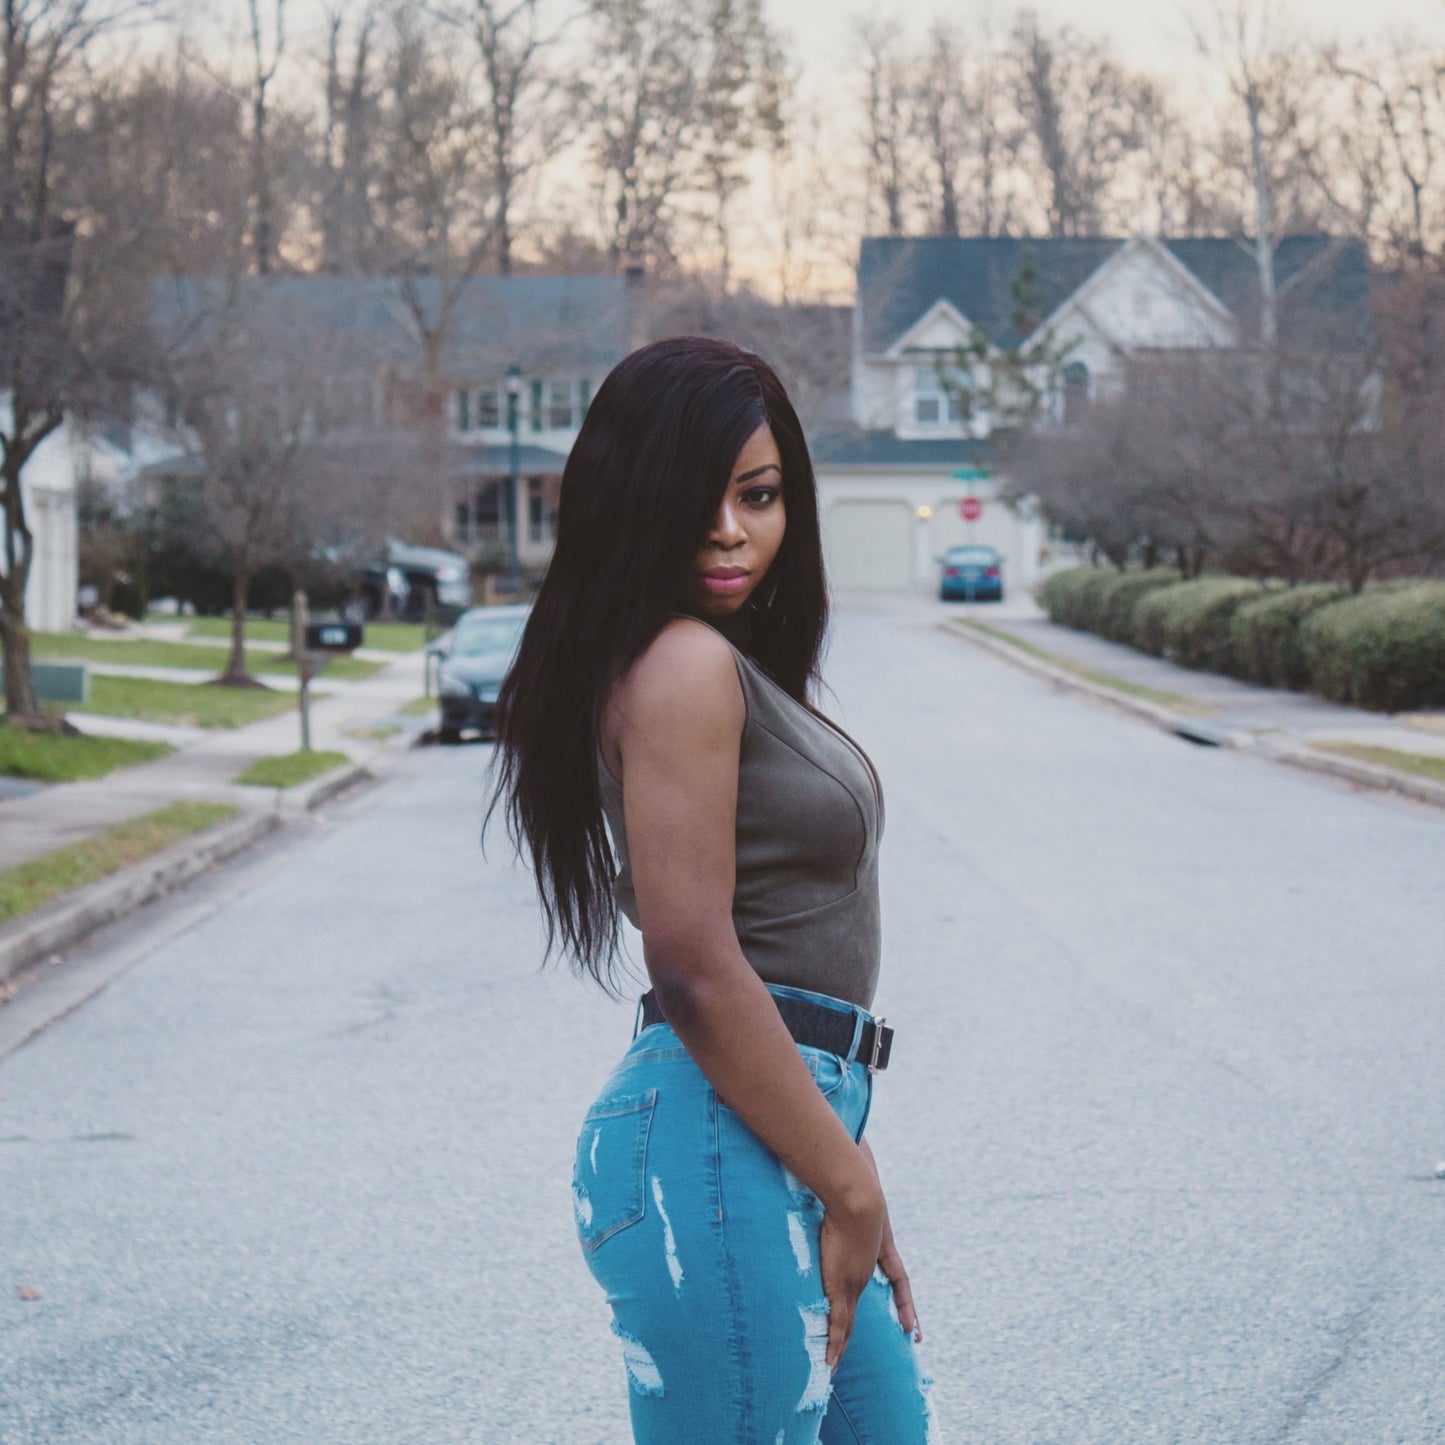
[745, 535]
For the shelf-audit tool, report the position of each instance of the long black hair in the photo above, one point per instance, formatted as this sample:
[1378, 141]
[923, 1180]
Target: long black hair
[639, 492]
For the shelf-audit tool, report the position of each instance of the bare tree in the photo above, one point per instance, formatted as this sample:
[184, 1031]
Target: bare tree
[1269, 72]
[1381, 161]
[266, 52]
[518, 101]
[941, 119]
[47, 360]
[349, 136]
[284, 453]
[1081, 109]
[888, 122]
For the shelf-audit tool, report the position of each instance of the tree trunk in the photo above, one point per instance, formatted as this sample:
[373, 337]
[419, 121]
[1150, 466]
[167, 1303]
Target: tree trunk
[235, 674]
[20, 701]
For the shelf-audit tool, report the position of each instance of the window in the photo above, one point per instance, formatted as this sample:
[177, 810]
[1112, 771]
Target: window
[489, 408]
[933, 404]
[559, 403]
[1076, 391]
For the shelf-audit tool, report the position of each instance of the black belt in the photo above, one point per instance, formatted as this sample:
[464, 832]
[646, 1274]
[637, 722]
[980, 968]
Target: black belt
[817, 1026]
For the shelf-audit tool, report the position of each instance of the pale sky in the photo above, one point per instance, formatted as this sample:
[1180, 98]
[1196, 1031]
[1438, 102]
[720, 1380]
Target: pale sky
[1149, 33]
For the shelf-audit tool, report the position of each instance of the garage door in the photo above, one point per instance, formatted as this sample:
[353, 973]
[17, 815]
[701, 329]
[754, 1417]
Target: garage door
[869, 544]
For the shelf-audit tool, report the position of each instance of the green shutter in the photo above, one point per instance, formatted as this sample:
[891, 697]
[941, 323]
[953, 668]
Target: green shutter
[537, 403]
[584, 397]
[464, 411]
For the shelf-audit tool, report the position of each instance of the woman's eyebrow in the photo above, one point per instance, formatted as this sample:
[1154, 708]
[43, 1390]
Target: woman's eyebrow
[758, 471]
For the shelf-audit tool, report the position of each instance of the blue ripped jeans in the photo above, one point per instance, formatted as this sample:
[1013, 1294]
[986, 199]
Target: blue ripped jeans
[707, 1248]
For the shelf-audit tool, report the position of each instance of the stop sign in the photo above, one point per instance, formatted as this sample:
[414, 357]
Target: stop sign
[970, 509]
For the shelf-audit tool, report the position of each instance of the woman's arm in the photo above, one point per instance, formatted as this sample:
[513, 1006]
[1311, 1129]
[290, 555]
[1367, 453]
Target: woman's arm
[680, 717]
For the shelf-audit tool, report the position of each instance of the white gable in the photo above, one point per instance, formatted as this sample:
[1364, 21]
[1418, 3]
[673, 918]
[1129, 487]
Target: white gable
[940, 328]
[1143, 298]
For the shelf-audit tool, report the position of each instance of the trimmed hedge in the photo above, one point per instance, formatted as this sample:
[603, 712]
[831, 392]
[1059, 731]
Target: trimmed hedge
[1384, 649]
[1101, 599]
[1264, 635]
[1061, 593]
[1189, 623]
[1122, 596]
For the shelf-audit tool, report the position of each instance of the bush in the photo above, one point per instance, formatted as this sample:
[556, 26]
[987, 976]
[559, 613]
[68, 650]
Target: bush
[1264, 635]
[1101, 599]
[1115, 602]
[1384, 649]
[1189, 623]
[1061, 592]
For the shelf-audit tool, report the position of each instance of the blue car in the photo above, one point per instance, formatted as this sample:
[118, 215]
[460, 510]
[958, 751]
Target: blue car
[971, 574]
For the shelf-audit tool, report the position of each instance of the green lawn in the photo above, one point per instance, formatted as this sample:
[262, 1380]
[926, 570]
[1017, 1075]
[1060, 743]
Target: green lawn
[204, 656]
[30, 885]
[1425, 765]
[290, 769]
[1174, 700]
[55, 758]
[384, 636]
[418, 707]
[193, 704]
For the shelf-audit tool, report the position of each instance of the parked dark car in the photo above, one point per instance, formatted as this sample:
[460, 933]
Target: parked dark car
[472, 660]
[411, 583]
[971, 574]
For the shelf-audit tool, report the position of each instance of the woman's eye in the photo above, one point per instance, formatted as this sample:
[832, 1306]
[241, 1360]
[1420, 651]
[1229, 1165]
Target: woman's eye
[761, 496]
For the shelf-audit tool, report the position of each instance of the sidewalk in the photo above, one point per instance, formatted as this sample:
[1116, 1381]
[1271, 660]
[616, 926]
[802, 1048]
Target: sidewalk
[206, 761]
[1205, 707]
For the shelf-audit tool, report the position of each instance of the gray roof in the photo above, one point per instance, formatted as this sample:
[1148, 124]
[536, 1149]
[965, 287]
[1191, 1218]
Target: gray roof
[900, 277]
[539, 322]
[857, 448]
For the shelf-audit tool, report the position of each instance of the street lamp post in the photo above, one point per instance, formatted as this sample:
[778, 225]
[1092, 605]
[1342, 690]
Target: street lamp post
[514, 398]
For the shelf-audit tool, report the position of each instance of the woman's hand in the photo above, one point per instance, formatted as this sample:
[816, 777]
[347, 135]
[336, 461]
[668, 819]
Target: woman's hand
[849, 1246]
[891, 1263]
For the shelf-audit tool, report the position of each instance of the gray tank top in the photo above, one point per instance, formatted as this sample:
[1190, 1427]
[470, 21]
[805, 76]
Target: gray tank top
[810, 817]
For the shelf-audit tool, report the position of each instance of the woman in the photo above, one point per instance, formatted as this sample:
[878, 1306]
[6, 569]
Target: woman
[725, 1197]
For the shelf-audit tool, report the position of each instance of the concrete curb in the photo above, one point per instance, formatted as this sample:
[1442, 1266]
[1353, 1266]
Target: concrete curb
[1150, 712]
[70, 918]
[1197, 730]
[66, 921]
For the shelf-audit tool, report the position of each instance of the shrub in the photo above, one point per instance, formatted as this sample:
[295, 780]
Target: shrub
[1115, 602]
[1264, 635]
[1384, 649]
[1061, 593]
[1189, 623]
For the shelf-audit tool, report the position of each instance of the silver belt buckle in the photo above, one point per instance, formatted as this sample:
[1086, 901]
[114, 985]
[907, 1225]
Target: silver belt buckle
[877, 1045]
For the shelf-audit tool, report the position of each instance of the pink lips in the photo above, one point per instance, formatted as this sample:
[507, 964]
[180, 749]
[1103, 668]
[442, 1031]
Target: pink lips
[724, 585]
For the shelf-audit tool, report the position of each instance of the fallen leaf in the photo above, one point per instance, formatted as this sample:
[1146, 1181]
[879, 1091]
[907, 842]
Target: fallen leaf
[26, 1292]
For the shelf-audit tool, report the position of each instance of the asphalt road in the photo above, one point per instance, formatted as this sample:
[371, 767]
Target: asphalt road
[1160, 1135]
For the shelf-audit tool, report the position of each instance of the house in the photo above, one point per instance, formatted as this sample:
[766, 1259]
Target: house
[524, 349]
[935, 319]
[48, 495]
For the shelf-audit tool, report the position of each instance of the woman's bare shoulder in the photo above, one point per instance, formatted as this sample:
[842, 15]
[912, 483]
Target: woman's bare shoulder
[685, 681]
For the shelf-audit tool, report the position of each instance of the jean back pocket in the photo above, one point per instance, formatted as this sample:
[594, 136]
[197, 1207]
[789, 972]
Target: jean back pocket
[609, 1169]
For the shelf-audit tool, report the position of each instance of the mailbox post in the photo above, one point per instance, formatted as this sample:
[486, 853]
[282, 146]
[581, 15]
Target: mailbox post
[324, 640]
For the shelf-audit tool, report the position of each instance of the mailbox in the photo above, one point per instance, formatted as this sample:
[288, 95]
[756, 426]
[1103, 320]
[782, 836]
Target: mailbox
[333, 636]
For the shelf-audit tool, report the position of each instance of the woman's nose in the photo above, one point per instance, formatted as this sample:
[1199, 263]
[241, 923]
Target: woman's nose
[728, 523]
